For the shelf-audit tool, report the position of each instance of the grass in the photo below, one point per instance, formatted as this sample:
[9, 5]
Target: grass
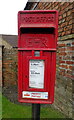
[11, 110]
[50, 113]
[0, 105]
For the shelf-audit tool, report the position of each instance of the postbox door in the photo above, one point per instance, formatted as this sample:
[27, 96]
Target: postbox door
[48, 59]
[35, 71]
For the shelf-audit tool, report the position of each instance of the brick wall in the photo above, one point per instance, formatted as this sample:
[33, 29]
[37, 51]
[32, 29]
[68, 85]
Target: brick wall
[0, 66]
[9, 66]
[65, 55]
[0, 60]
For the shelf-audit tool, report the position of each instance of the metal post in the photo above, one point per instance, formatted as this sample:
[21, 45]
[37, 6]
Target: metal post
[35, 111]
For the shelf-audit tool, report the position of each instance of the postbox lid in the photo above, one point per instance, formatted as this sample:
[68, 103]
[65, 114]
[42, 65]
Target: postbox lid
[38, 19]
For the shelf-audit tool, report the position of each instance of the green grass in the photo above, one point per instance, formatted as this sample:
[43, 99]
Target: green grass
[11, 110]
[50, 113]
[0, 105]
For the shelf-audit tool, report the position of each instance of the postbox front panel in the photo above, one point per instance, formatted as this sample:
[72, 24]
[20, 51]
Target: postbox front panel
[37, 75]
[37, 56]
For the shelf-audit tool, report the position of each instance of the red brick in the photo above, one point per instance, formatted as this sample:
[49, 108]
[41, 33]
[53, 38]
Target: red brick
[64, 15]
[60, 30]
[61, 45]
[63, 7]
[69, 18]
[71, 21]
[60, 17]
[61, 49]
[68, 27]
[56, 7]
[68, 32]
[64, 66]
[69, 62]
[70, 53]
[70, 48]
[60, 57]
[59, 34]
[61, 12]
[69, 72]
[62, 53]
[69, 76]
[72, 31]
[72, 43]
[71, 67]
[63, 33]
[61, 61]
[69, 12]
[61, 69]
[62, 25]
[55, 3]
[70, 7]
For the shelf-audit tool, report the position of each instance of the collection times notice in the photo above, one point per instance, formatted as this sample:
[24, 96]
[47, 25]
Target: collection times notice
[36, 73]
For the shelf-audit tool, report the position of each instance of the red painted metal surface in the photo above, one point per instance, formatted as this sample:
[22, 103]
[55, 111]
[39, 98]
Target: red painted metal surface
[37, 30]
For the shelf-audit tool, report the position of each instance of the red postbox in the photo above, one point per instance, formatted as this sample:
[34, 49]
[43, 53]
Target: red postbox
[37, 41]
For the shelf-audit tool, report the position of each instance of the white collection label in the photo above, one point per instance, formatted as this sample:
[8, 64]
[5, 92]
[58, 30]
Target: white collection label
[36, 73]
[36, 95]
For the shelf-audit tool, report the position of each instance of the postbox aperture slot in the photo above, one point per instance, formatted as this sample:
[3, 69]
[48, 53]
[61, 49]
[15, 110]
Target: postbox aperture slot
[37, 30]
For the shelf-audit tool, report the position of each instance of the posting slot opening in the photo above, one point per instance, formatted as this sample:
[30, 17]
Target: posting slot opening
[38, 30]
